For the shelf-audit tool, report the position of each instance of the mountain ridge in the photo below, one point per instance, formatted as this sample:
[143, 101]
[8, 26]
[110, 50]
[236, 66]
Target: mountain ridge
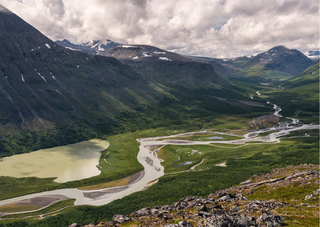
[167, 67]
[90, 47]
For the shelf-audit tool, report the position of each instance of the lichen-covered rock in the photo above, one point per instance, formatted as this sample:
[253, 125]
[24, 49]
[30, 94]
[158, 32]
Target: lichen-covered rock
[142, 212]
[308, 197]
[244, 221]
[74, 225]
[270, 220]
[234, 209]
[218, 221]
[316, 192]
[246, 182]
[185, 224]
[119, 218]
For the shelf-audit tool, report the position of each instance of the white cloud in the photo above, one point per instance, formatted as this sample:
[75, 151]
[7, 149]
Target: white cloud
[216, 28]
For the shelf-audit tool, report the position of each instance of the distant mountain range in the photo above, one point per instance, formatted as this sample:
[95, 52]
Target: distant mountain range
[278, 63]
[92, 47]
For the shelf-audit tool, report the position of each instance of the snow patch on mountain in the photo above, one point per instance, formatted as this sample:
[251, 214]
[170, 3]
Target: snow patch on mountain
[158, 52]
[164, 58]
[146, 55]
[126, 46]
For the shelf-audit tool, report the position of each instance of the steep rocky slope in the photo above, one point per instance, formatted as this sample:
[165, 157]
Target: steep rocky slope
[285, 196]
[42, 83]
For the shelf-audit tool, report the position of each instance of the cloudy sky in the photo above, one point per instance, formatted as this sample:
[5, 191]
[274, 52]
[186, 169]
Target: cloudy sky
[213, 28]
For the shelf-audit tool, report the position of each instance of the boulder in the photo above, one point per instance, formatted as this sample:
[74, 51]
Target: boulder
[246, 182]
[142, 212]
[308, 197]
[185, 224]
[270, 220]
[75, 225]
[232, 195]
[205, 214]
[225, 198]
[120, 219]
[244, 220]
[240, 197]
[316, 192]
[234, 209]
[203, 208]
[218, 221]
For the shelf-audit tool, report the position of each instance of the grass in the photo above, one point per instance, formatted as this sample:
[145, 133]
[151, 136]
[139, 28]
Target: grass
[10, 208]
[110, 184]
[293, 194]
[182, 157]
[205, 137]
[52, 208]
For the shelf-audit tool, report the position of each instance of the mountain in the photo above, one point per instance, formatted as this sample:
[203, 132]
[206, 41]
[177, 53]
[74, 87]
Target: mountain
[43, 81]
[309, 77]
[52, 96]
[219, 66]
[167, 67]
[92, 47]
[49, 91]
[278, 63]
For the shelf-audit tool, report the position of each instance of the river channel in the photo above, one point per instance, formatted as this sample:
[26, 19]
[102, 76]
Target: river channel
[152, 165]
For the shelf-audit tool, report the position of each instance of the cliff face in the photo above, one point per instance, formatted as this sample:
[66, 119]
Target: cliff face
[282, 197]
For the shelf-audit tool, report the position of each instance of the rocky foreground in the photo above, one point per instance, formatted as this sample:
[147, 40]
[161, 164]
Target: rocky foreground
[286, 196]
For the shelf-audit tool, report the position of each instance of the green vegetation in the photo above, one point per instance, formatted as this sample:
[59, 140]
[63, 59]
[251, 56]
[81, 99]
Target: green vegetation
[300, 96]
[205, 137]
[191, 155]
[17, 208]
[294, 195]
[55, 207]
[242, 161]
[179, 108]
[12, 187]
[170, 188]
[121, 159]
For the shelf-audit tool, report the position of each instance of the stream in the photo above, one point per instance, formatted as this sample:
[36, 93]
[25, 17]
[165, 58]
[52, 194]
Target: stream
[152, 164]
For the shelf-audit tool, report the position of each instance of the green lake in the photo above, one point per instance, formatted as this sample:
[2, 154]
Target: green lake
[67, 163]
